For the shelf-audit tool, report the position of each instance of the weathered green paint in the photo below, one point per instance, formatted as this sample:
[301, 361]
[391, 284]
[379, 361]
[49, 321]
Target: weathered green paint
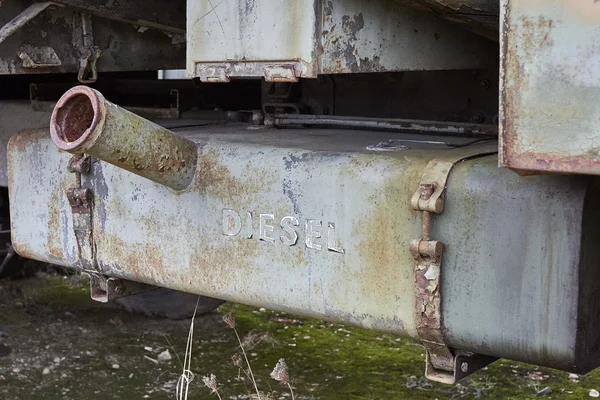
[362, 200]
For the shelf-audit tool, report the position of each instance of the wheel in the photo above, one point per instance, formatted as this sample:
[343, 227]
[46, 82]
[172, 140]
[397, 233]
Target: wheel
[168, 303]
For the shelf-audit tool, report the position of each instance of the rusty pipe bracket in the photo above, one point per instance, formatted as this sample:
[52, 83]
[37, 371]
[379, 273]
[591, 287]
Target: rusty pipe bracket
[81, 201]
[443, 364]
[104, 289]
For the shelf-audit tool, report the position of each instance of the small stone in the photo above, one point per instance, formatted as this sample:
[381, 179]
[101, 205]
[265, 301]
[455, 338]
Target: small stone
[262, 309]
[306, 337]
[148, 348]
[594, 393]
[69, 314]
[544, 392]
[63, 375]
[17, 370]
[146, 396]
[18, 304]
[130, 375]
[573, 376]
[164, 356]
[56, 360]
[4, 350]
[116, 366]
[46, 371]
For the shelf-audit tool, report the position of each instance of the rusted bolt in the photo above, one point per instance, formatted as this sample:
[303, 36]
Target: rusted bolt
[426, 190]
[464, 367]
[119, 289]
[485, 83]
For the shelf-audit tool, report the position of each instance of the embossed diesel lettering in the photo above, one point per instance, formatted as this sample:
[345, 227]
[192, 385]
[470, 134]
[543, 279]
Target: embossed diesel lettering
[313, 233]
[333, 242]
[316, 234]
[232, 223]
[291, 237]
[249, 226]
[265, 228]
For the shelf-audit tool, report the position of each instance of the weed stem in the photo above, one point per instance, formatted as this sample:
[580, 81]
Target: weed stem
[247, 362]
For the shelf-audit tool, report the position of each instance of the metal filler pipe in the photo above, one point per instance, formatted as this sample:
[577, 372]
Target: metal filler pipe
[83, 121]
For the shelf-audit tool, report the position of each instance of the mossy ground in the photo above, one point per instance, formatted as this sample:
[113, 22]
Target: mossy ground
[49, 323]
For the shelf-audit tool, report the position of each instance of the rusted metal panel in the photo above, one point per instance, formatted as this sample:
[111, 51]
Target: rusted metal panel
[46, 43]
[290, 40]
[16, 115]
[550, 86]
[309, 221]
[252, 37]
[165, 15]
[479, 16]
[376, 36]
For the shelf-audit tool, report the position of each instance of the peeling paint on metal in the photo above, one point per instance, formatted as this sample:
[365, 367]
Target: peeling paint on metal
[549, 87]
[383, 36]
[147, 232]
[316, 37]
[123, 48]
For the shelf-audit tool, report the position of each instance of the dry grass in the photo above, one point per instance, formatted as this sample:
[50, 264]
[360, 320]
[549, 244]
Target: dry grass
[254, 338]
[251, 340]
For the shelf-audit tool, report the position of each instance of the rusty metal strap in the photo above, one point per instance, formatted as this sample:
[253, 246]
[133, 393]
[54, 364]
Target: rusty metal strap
[429, 198]
[81, 201]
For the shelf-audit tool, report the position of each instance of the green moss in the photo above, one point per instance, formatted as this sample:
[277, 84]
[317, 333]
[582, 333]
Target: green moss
[326, 360]
[60, 292]
[332, 361]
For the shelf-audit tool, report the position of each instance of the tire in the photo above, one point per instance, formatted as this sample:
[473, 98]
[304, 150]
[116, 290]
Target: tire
[168, 303]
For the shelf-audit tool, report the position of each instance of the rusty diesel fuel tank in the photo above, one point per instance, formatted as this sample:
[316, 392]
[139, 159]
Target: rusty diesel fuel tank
[417, 235]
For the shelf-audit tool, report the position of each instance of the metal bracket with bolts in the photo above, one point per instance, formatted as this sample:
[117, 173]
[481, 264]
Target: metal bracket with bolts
[443, 364]
[104, 289]
[83, 41]
[81, 201]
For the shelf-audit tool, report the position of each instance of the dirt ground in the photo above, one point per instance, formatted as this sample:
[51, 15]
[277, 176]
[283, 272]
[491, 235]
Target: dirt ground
[55, 343]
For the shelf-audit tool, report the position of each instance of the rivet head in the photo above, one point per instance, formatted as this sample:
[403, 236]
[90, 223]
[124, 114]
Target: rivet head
[464, 367]
[426, 190]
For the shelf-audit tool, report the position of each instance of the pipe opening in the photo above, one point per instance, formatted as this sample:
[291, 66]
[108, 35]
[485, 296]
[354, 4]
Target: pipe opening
[74, 117]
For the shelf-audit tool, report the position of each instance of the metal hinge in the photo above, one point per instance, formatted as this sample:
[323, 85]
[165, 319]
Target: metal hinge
[443, 364]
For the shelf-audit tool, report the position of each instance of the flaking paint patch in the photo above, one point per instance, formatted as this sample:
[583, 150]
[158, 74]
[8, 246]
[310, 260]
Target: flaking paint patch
[54, 243]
